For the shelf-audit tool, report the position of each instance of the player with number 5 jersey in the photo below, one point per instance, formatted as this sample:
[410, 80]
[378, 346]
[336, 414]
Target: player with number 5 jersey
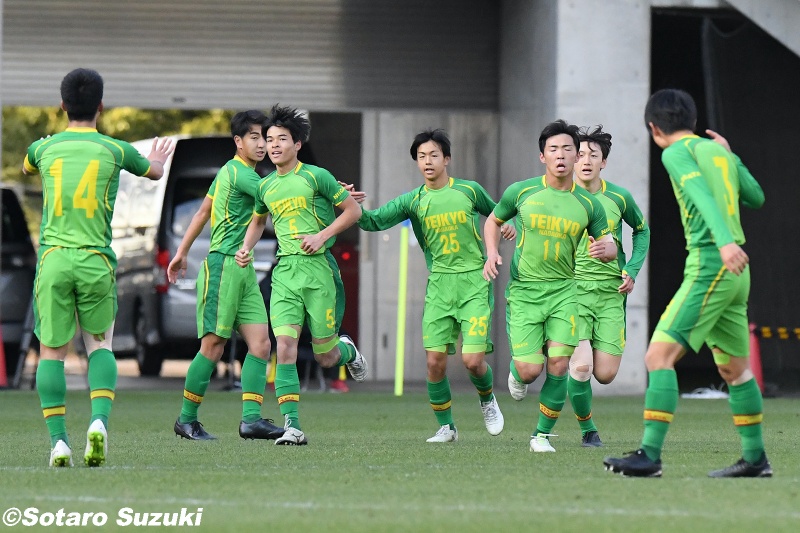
[75, 271]
[445, 215]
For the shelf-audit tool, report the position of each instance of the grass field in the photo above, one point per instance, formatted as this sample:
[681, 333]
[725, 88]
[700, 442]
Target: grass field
[368, 468]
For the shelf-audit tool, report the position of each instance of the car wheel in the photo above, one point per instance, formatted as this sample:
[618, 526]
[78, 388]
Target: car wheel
[148, 357]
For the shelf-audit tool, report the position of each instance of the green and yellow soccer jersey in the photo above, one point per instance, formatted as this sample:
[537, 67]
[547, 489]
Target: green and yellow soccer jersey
[619, 206]
[550, 223]
[301, 203]
[233, 193]
[709, 182]
[445, 221]
[80, 170]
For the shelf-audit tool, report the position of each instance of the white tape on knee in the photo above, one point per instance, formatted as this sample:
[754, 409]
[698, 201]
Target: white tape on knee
[746, 376]
[585, 372]
[97, 342]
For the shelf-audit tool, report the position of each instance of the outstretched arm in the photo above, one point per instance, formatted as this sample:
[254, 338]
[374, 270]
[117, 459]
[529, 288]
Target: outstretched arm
[158, 156]
[491, 237]
[177, 267]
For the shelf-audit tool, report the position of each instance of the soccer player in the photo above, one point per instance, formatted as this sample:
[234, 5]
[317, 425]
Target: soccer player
[228, 297]
[711, 304]
[75, 272]
[306, 283]
[444, 214]
[551, 214]
[601, 297]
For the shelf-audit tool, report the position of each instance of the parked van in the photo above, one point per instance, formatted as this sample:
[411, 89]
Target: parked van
[156, 319]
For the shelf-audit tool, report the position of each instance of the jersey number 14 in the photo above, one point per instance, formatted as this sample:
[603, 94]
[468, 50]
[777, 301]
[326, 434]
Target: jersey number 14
[85, 196]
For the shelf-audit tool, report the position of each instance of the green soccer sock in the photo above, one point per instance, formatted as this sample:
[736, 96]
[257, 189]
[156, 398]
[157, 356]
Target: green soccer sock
[348, 353]
[439, 394]
[551, 402]
[747, 406]
[198, 376]
[254, 382]
[514, 372]
[660, 402]
[287, 390]
[102, 383]
[484, 385]
[52, 387]
[580, 396]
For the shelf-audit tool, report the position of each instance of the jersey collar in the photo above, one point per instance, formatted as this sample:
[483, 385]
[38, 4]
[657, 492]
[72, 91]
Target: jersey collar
[82, 129]
[546, 186]
[242, 161]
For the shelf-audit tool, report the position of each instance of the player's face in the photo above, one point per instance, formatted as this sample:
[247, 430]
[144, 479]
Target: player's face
[559, 155]
[281, 148]
[431, 161]
[252, 147]
[590, 162]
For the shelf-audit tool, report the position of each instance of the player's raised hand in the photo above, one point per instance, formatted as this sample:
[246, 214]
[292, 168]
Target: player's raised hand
[734, 258]
[311, 243]
[243, 257]
[161, 149]
[490, 271]
[508, 232]
[358, 196]
[627, 284]
[176, 268]
[719, 139]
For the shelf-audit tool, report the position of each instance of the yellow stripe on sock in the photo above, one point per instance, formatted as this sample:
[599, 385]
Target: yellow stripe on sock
[549, 413]
[583, 418]
[288, 398]
[252, 397]
[192, 397]
[485, 392]
[102, 393]
[658, 416]
[441, 406]
[748, 420]
[54, 411]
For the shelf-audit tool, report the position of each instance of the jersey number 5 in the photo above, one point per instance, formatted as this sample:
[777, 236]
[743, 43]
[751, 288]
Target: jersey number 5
[85, 196]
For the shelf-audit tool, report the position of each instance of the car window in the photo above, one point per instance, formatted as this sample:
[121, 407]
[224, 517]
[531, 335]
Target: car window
[182, 217]
[14, 227]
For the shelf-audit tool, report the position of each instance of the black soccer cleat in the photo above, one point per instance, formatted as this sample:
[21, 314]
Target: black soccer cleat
[260, 429]
[192, 430]
[635, 464]
[591, 440]
[744, 469]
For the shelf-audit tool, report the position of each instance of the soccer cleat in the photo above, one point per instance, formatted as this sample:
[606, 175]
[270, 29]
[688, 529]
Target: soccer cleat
[358, 367]
[96, 444]
[517, 389]
[61, 455]
[541, 443]
[192, 430]
[591, 440]
[445, 434]
[744, 469]
[635, 464]
[260, 429]
[492, 416]
[292, 437]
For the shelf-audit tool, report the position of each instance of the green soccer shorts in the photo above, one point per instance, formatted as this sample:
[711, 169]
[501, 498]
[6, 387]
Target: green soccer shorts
[70, 281]
[227, 296]
[601, 310]
[710, 306]
[540, 311]
[307, 287]
[458, 302]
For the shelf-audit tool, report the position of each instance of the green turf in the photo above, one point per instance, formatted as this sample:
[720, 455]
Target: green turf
[368, 468]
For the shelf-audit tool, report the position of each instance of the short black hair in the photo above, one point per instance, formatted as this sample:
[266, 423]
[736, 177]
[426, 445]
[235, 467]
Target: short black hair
[82, 93]
[559, 127]
[290, 118]
[241, 122]
[439, 136]
[597, 136]
[671, 110]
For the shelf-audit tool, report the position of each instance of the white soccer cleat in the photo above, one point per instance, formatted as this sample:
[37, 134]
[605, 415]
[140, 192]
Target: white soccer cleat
[61, 455]
[517, 389]
[292, 437]
[96, 444]
[492, 416]
[540, 443]
[445, 434]
[359, 367]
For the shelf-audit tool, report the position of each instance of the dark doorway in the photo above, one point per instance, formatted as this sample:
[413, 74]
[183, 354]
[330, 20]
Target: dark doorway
[744, 83]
